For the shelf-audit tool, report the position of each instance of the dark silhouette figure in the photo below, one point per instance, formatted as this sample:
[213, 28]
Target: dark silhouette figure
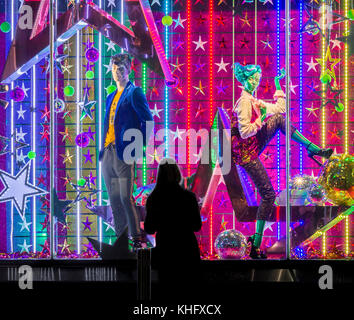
[173, 213]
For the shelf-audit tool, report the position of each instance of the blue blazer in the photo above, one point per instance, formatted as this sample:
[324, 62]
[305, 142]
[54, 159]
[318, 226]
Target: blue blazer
[132, 112]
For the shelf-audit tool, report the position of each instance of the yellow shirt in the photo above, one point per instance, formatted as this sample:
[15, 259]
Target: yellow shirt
[110, 138]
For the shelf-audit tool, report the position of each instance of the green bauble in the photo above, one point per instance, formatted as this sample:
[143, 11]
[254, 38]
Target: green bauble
[69, 91]
[5, 27]
[339, 107]
[90, 74]
[166, 21]
[81, 182]
[31, 155]
[111, 89]
[326, 78]
[351, 14]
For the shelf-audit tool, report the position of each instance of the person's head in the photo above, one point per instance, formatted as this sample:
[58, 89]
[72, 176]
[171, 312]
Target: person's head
[249, 76]
[121, 67]
[168, 173]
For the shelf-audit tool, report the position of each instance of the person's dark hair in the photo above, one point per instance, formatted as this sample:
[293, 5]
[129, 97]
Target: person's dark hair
[122, 59]
[168, 174]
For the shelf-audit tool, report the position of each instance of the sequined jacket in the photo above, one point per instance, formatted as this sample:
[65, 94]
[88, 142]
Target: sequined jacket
[245, 123]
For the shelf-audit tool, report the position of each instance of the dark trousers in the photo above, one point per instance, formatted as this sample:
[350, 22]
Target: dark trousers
[256, 170]
[119, 179]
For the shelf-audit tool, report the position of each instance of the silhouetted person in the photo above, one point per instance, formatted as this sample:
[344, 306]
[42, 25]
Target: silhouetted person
[173, 213]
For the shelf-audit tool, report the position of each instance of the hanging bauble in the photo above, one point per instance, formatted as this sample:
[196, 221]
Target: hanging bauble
[337, 178]
[17, 94]
[5, 27]
[92, 54]
[69, 91]
[59, 105]
[31, 155]
[339, 107]
[90, 74]
[111, 89]
[351, 14]
[325, 78]
[166, 20]
[82, 140]
[230, 244]
[81, 182]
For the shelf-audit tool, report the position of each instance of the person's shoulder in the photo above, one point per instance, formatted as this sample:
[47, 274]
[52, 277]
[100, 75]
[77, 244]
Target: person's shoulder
[189, 193]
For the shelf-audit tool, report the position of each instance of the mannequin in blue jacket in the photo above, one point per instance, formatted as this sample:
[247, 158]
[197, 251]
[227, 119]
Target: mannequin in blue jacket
[127, 126]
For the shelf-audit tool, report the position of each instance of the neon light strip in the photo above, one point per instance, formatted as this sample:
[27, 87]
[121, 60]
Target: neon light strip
[278, 135]
[34, 207]
[144, 88]
[100, 126]
[323, 121]
[211, 63]
[278, 69]
[346, 110]
[78, 162]
[189, 79]
[324, 240]
[166, 103]
[12, 132]
[301, 85]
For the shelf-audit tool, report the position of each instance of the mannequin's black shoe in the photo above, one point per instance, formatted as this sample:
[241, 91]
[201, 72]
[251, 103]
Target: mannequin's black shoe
[257, 253]
[324, 153]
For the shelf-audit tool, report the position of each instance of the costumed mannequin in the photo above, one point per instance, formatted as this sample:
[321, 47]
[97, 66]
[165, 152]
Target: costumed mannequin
[251, 133]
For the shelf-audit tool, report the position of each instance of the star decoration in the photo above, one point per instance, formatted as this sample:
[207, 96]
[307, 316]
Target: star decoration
[267, 156]
[91, 179]
[222, 43]
[312, 111]
[223, 223]
[220, 20]
[267, 43]
[108, 67]
[66, 67]
[291, 20]
[311, 65]
[267, 87]
[327, 63]
[266, 1]
[200, 110]
[45, 156]
[24, 225]
[199, 66]
[23, 87]
[178, 43]
[246, 20]
[199, 88]
[88, 156]
[222, 201]
[155, 2]
[45, 113]
[87, 224]
[86, 107]
[335, 134]
[67, 156]
[67, 179]
[177, 134]
[89, 66]
[20, 158]
[177, 66]
[20, 135]
[200, 19]
[65, 247]
[221, 88]
[110, 46]
[312, 86]
[17, 188]
[244, 42]
[87, 90]
[65, 135]
[24, 247]
[336, 43]
[292, 87]
[179, 21]
[88, 44]
[57, 62]
[90, 134]
[200, 44]
[41, 180]
[156, 112]
[222, 65]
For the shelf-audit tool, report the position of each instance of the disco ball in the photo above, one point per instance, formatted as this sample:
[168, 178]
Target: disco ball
[230, 244]
[316, 194]
[92, 54]
[337, 178]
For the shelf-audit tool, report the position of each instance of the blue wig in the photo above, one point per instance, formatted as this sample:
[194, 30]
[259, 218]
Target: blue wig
[242, 73]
